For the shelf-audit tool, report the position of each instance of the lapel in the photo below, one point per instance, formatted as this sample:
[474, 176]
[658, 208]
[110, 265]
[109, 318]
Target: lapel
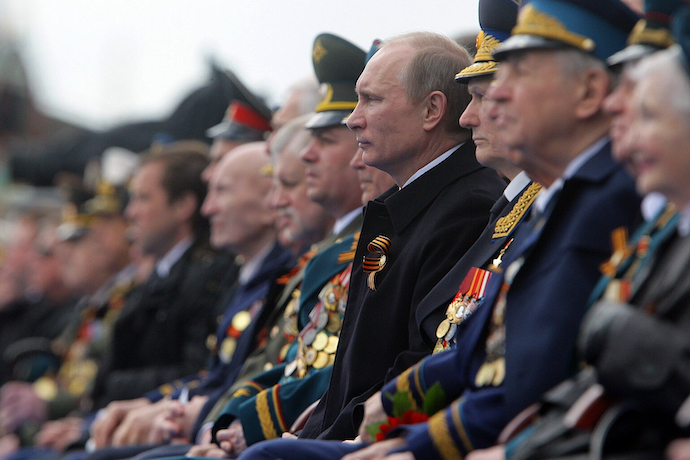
[405, 205]
[479, 255]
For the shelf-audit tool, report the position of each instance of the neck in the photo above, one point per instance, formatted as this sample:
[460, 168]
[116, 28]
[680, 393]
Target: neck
[434, 148]
[557, 153]
[251, 249]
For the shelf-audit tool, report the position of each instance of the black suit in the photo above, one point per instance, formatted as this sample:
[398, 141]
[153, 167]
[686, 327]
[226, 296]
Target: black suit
[161, 332]
[431, 223]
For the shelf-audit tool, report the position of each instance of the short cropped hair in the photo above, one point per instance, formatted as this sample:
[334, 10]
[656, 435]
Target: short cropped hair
[433, 68]
[182, 163]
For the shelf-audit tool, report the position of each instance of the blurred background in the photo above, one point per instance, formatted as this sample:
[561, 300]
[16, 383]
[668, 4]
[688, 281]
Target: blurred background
[98, 63]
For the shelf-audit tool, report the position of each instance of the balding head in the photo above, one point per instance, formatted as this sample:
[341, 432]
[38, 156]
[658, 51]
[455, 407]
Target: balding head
[237, 205]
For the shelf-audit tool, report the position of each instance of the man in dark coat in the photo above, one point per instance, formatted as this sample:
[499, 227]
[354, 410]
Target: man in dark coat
[161, 332]
[411, 235]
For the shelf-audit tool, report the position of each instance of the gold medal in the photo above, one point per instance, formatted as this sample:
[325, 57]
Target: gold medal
[283, 352]
[321, 360]
[332, 345]
[442, 329]
[310, 356]
[439, 347]
[241, 320]
[320, 341]
[330, 300]
[485, 374]
[331, 359]
[500, 372]
[227, 348]
[334, 323]
[46, 388]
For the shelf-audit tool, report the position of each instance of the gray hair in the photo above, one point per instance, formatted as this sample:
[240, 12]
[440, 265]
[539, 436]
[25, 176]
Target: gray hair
[308, 90]
[574, 63]
[666, 67]
[293, 132]
[433, 68]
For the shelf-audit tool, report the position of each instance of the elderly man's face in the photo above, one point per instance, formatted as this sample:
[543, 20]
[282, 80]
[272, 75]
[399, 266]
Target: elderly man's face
[372, 181]
[619, 105]
[659, 147]
[491, 151]
[299, 218]
[389, 126]
[534, 104]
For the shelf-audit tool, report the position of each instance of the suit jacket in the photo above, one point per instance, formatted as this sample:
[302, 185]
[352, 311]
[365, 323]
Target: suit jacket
[431, 223]
[560, 253]
[161, 332]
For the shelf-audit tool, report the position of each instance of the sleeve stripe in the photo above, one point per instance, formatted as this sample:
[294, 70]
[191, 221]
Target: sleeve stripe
[440, 436]
[460, 427]
[278, 409]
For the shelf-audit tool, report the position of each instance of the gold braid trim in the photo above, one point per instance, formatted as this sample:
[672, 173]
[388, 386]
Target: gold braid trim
[531, 21]
[440, 436]
[460, 428]
[267, 427]
[507, 223]
[402, 384]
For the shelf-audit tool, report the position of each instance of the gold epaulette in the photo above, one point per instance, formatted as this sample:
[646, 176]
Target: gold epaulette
[507, 223]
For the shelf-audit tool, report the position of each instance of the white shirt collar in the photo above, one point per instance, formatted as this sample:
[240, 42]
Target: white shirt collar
[516, 185]
[344, 221]
[249, 268]
[574, 166]
[651, 205]
[420, 172]
[165, 264]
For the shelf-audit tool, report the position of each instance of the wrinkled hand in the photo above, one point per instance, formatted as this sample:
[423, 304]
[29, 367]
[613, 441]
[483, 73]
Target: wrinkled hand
[679, 450]
[60, 434]
[208, 451]
[232, 439]
[373, 413]
[103, 428]
[20, 404]
[492, 453]
[137, 424]
[175, 423]
[379, 450]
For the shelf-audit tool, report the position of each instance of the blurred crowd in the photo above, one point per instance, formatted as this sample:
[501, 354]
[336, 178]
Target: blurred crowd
[431, 249]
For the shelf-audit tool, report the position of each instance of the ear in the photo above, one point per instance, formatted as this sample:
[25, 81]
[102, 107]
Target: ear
[595, 84]
[435, 105]
[185, 207]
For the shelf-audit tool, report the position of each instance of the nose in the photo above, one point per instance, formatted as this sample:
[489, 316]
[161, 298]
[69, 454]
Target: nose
[209, 205]
[310, 153]
[356, 119]
[208, 172]
[278, 198]
[469, 118]
[614, 102]
[357, 162]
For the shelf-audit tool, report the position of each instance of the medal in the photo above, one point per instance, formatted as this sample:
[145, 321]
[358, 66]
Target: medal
[332, 345]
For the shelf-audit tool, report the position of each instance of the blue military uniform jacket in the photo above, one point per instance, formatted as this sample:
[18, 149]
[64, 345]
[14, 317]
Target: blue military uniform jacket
[559, 253]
